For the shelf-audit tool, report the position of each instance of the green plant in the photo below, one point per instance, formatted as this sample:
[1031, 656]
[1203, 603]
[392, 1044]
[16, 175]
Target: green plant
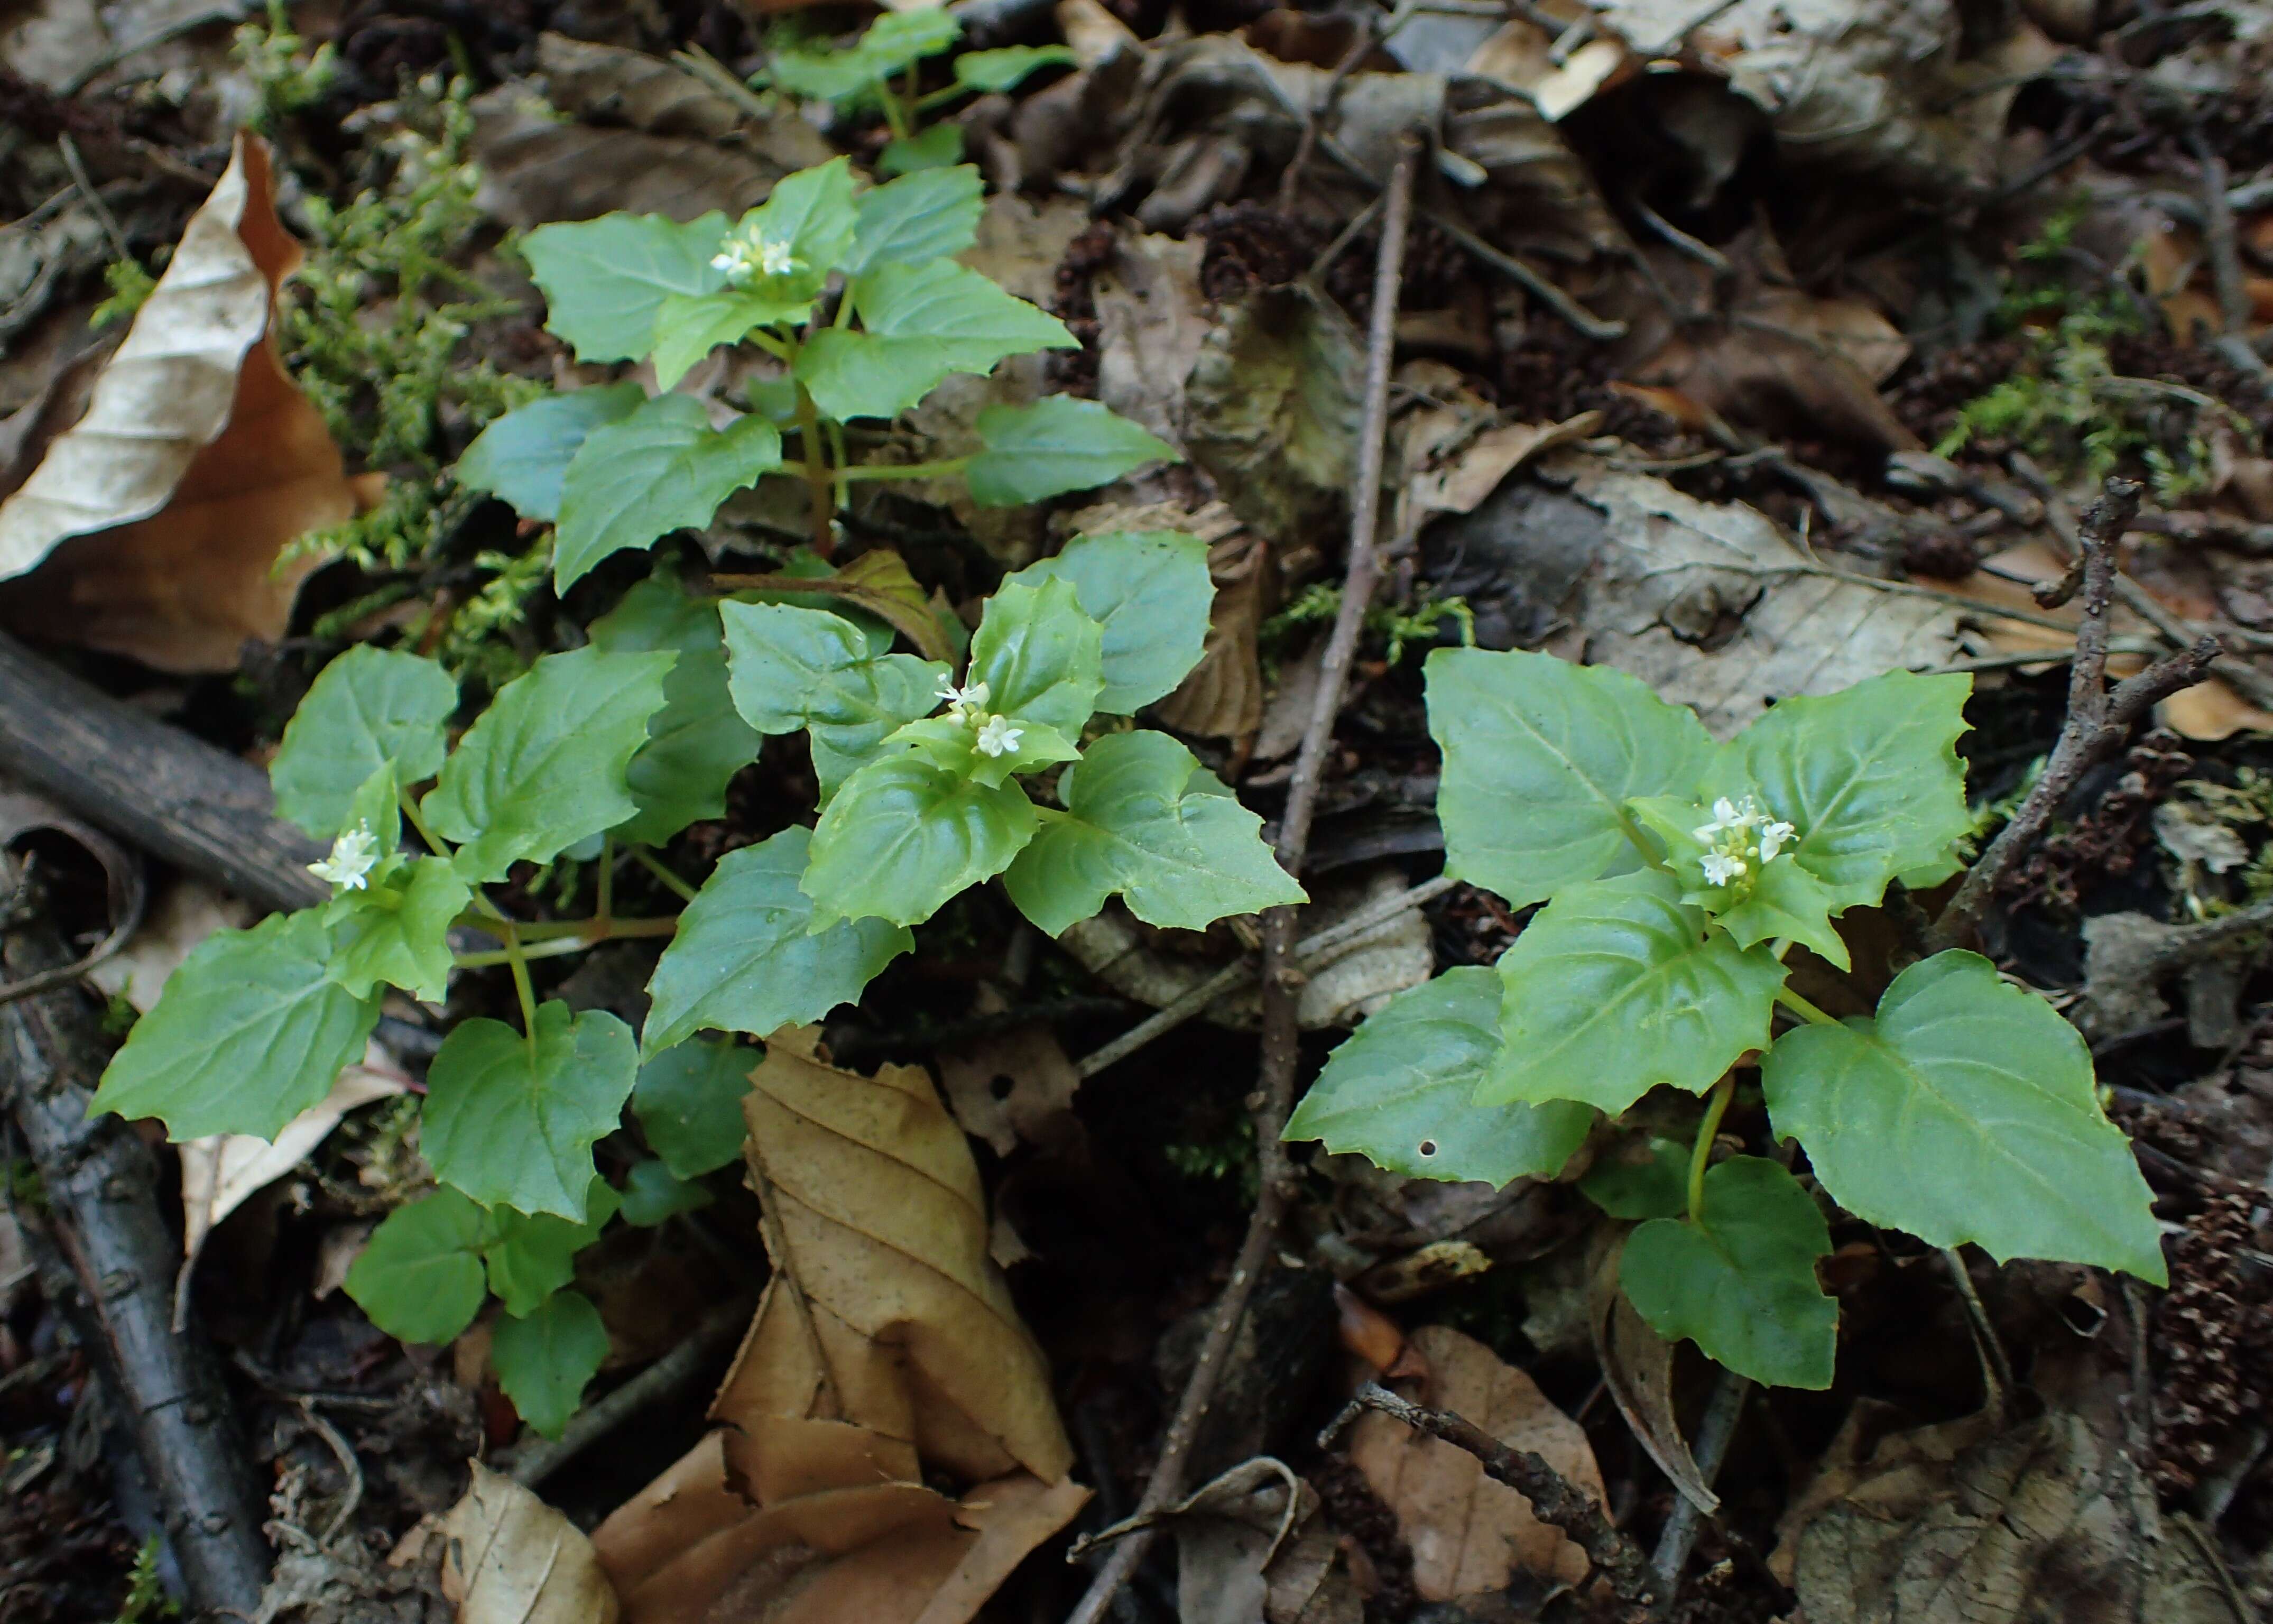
[932, 779]
[146, 1596]
[287, 81]
[1396, 628]
[861, 75]
[616, 469]
[1676, 874]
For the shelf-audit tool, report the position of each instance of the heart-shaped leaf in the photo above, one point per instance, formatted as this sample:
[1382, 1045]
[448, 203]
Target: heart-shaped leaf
[901, 838]
[1966, 1111]
[369, 708]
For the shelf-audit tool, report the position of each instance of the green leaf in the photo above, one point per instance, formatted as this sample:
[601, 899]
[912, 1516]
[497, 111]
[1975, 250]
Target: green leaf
[1151, 591]
[1615, 987]
[1741, 1285]
[1541, 757]
[935, 148]
[512, 1121]
[250, 1031]
[920, 323]
[523, 456]
[1869, 777]
[604, 279]
[1142, 819]
[1060, 443]
[698, 741]
[544, 1360]
[689, 1096]
[812, 214]
[419, 1277]
[748, 958]
[932, 215]
[653, 1193]
[1966, 1111]
[369, 707]
[901, 838]
[534, 1254]
[1642, 1178]
[398, 931]
[1398, 1092]
[894, 41]
[689, 326]
[1008, 67]
[543, 768]
[660, 469]
[792, 668]
[1041, 658]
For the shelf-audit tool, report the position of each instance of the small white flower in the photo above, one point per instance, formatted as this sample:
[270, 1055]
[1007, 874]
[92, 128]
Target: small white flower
[1773, 838]
[745, 256]
[961, 701]
[1719, 870]
[775, 259]
[998, 737]
[353, 856]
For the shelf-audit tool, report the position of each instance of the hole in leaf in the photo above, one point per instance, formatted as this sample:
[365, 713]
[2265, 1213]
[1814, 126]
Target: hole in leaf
[1001, 1086]
[1428, 1148]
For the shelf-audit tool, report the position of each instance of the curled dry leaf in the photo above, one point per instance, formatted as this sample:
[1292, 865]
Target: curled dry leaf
[1472, 1533]
[885, 1312]
[1012, 1086]
[152, 527]
[885, 1347]
[510, 1559]
[1637, 1368]
[1272, 409]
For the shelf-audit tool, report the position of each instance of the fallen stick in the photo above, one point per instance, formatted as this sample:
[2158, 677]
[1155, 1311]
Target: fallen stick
[155, 786]
[1274, 1096]
[2099, 718]
[101, 1184]
[1554, 1498]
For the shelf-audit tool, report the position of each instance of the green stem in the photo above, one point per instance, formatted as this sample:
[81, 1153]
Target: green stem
[655, 866]
[1716, 1106]
[843, 494]
[522, 988]
[1800, 1006]
[941, 97]
[604, 911]
[946, 467]
[557, 948]
[817, 476]
[896, 112]
[439, 847]
[767, 342]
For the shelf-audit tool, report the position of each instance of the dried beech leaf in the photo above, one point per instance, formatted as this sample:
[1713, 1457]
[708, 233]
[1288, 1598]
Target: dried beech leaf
[152, 527]
[1637, 1367]
[1010, 1087]
[1222, 696]
[1472, 1533]
[893, 1318]
[1272, 410]
[510, 1559]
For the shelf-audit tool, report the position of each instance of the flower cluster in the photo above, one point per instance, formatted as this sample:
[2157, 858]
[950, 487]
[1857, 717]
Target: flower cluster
[748, 254]
[353, 856]
[996, 735]
[1744, 839]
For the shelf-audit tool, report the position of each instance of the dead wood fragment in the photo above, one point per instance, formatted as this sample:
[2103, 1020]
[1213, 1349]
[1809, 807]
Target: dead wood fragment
[2099, 717]
[101, 1184]
[155, 786]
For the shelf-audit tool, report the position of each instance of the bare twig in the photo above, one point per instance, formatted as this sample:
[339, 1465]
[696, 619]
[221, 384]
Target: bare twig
[1554, 1498]
[1231, 977]
[1722, 1414]
[2098, 717]
[664, 1380]
[1273, 1099]
[2251, 683]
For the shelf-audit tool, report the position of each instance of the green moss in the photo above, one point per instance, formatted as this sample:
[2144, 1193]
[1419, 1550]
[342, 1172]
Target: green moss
[1387, 626]
[130, 284]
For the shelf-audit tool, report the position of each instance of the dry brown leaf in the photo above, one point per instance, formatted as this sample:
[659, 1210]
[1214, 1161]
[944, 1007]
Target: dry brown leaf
[1221, 696]
[510, 1559]
[1968, 1523]
[1472, 471]
[885, 1310]
[1271, 411]
[153, 526]
[1471, 1534]
[1637, 1368]
[1151, 319]
[690, 1547]
[1251, 1548]
[1012, 1086]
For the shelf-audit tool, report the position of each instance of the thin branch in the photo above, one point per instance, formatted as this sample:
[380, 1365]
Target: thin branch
[1281, 980]
[1713, 1435]
[1554, 1498]
[2099, 717]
